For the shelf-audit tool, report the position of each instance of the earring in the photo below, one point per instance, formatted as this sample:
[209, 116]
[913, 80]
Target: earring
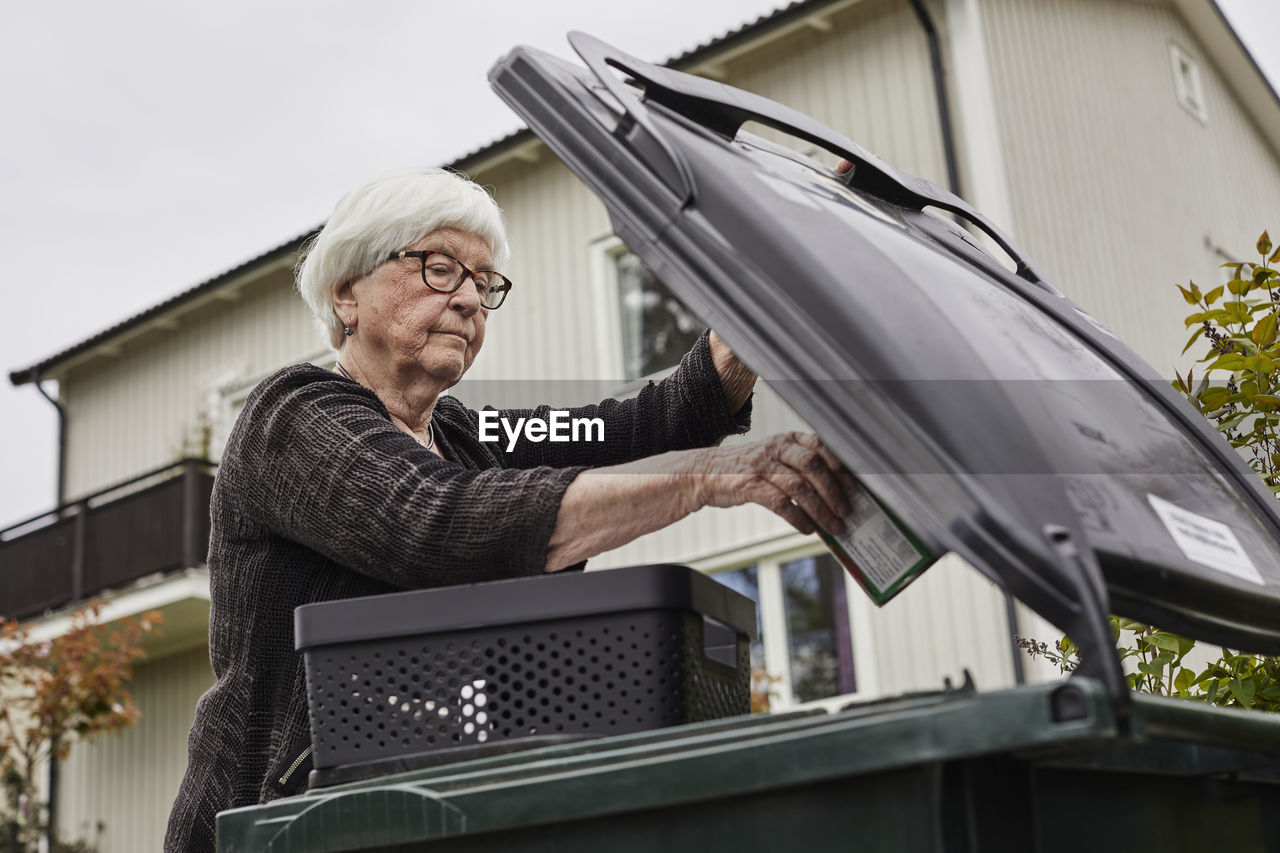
[348, 331]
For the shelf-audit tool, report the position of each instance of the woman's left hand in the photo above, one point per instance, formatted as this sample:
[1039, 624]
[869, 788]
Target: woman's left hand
[736, 378]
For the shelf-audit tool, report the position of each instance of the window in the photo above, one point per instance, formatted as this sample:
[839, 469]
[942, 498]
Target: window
[807, 614]
[818, 628]
[656, 328]
[229, 406]
[1186, 82]
[225, 399]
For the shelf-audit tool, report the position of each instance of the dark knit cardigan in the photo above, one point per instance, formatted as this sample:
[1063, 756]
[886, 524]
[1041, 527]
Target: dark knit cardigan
[320, 496]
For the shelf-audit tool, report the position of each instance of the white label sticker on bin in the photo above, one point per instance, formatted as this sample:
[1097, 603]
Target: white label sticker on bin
[1206, 541]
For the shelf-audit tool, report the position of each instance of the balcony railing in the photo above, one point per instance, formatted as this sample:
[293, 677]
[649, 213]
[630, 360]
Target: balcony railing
[153, 523]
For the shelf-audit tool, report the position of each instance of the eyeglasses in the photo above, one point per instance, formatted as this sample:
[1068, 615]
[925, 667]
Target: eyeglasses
[444, 273]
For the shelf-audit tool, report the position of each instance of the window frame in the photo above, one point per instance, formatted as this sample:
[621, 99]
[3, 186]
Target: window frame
[605, 251]
[233, 392]
[768, 557]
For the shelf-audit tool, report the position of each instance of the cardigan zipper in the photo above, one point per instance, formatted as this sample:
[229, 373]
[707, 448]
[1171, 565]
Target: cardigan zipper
[293, 768]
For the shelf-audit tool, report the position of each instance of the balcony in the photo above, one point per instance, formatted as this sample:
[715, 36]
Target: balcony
[154, 523]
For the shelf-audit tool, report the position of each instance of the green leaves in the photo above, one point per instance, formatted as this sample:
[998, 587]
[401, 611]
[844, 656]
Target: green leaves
[1155, 661]
[1151, 668]
[1166, 641]
[1237, 312]
[1259, 363]
[1230, 361]
[1264, 331]
[1184, 680]
[1242, 691]
[1213, 398]
[1242, 359]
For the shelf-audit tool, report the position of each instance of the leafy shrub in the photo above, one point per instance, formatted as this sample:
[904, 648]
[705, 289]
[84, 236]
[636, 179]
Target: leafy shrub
[1158, 660]
[74, 687]
[1239, 389]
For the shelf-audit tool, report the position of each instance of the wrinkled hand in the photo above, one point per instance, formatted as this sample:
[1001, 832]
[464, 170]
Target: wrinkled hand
[792, 474]
[736, 379]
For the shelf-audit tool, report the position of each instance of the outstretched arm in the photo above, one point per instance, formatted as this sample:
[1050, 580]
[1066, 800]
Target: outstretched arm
[704, 400]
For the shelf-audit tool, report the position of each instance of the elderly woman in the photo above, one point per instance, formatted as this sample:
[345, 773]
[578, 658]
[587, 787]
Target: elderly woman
[368, 479]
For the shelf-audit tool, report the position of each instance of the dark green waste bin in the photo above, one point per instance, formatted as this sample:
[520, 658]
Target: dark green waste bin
[1042, 768]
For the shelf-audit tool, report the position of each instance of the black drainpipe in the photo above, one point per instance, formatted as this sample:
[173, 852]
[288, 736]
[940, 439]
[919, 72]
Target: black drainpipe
[62, 437]
[62, 484]
[953, 184]
[940, 94]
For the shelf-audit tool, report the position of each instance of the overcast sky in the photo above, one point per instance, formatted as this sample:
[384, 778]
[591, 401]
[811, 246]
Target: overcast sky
[149, 146]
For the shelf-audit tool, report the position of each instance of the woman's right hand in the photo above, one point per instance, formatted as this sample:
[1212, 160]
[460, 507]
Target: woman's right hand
[793, 474]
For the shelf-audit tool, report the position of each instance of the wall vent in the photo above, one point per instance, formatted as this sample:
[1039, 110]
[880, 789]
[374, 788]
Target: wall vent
[1186, 82]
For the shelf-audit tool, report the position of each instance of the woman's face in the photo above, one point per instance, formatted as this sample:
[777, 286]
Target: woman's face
[420, 334]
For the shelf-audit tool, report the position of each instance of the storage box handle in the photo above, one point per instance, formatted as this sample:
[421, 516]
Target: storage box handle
[719, 642]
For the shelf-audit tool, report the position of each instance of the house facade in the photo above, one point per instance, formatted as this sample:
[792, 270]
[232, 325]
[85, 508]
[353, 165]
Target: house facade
[1125, 144]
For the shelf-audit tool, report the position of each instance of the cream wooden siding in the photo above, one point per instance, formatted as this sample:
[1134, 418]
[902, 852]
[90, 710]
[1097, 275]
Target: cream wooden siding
[1116, 187]
[140, 410]
[129, 782]
[950, 620]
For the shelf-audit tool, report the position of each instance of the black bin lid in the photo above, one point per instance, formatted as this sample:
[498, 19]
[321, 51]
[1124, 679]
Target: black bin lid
[985, 408]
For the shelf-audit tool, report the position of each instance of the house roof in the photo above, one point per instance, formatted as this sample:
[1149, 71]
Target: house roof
[1206, 17]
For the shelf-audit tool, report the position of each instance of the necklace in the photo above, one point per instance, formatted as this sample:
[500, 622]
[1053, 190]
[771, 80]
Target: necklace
[431, 427]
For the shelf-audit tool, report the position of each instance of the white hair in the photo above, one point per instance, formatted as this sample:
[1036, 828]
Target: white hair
[384, 215]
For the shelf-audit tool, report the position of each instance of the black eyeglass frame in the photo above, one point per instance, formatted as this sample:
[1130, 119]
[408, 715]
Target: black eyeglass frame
[502, 288]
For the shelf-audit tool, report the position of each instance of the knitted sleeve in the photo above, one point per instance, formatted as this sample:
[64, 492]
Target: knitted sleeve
[315, 459]
[686, 409]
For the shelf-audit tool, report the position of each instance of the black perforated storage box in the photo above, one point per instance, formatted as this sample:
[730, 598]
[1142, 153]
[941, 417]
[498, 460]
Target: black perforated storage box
[551, 657]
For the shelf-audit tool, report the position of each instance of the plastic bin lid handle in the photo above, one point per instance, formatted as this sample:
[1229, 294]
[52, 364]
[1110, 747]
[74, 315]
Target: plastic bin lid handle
[724, 109]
